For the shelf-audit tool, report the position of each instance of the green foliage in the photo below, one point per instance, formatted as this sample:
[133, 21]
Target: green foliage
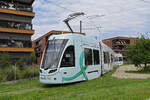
[4, 60]
[20, 63]
[36, 71]
[7, 71]
[140, 52]
[10, 73]
[1, 75]
[27, 72]
[33, 57]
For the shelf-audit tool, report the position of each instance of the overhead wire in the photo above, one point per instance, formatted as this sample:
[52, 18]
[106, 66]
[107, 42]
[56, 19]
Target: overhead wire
[59, 5]
[114, 13]
[145, 1]
[70, 11]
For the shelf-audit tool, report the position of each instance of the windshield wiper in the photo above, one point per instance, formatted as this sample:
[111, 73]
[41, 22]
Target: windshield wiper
[46, 68]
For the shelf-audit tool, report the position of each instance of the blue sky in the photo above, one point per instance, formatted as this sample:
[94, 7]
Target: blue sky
[120, 17]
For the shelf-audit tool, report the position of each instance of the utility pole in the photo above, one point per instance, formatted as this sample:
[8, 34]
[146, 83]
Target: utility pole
[15, 71]
[80, 26]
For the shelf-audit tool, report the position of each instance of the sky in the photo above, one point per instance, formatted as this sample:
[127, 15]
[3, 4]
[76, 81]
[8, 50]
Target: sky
[103, 18]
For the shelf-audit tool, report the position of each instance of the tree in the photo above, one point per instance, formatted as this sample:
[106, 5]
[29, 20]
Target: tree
[139, 53]
[33, 57]
[4, 60]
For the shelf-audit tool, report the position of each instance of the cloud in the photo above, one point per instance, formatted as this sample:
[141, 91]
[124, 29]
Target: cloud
[122, 17]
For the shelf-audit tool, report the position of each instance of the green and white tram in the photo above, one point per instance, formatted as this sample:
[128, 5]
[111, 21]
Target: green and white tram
[71, 58]
[118, 59]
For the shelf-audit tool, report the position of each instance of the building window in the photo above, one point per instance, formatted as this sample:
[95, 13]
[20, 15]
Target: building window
[47, 37]
[15, 43]
[121, 41]
[38, 54]
[88, 56]
[68, 59]
[16, 25]
[39, 42]
[96, 57]
[38, 49]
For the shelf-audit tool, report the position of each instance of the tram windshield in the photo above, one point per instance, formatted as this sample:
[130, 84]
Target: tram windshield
[53, 52]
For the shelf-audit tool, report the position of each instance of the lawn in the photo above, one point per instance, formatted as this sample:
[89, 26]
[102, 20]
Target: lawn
[103, 88]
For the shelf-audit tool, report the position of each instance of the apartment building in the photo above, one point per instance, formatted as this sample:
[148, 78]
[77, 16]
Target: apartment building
[16, 29]
[118, 44]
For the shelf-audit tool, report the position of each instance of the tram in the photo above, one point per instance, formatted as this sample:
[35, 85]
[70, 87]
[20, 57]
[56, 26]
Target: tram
[72, 57]
[118, 59]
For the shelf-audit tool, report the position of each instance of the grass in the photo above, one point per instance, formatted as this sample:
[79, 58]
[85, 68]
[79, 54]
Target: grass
[141, 71]
[103, 88]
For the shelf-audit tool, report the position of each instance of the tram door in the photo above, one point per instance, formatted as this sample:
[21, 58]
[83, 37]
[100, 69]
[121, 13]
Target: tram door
[68, 63]
[111, 62]
[106, 62]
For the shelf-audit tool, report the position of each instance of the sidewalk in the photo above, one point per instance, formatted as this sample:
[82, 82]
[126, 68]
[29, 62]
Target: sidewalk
[120, 73]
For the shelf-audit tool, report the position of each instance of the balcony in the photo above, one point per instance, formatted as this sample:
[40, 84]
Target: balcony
[15, 6]
[16, 27]
[17, 9]
[121, 42]
[8, 49]
[5, 43]
[118, 50]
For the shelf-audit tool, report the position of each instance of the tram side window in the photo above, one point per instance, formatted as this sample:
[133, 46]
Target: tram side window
[96, 57]
[106, 57]
[68, 59]
[120, 58]
[88, 56]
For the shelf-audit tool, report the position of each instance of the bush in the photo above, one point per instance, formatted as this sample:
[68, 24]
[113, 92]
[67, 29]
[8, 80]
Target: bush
[36, 71]
[4, 61]
[27, 72]
[10, 73]
[21, 63]
[2, 77]
[30, 72]
[33, 56]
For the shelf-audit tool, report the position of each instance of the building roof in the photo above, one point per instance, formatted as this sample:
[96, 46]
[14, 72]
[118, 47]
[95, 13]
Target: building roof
[54, 32]
[121, 37]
